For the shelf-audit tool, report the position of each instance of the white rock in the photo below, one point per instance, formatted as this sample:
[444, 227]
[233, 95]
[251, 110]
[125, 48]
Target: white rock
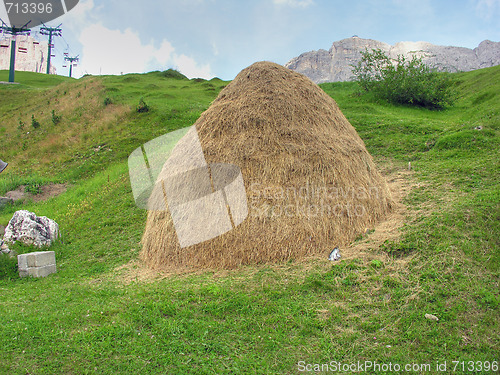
[30, 229]
[431, 317]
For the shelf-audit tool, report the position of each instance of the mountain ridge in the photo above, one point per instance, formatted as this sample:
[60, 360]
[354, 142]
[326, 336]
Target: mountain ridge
[335, 64]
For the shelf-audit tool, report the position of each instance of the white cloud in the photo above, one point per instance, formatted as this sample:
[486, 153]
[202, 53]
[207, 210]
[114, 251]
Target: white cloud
[294, 3]
[414, 10]
[106, 51]
[487, 8]
[215, 50]
[80, 15]
[188, 66]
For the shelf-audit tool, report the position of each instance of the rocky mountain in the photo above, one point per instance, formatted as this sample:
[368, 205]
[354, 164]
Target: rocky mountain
[335, 64]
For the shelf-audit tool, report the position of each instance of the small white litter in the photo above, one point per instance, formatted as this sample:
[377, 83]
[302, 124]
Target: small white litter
[431, 317]
[334, 255]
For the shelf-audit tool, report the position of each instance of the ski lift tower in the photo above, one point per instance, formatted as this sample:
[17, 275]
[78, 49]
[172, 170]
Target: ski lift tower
[14, 31]
[50, 31]
[71, 61]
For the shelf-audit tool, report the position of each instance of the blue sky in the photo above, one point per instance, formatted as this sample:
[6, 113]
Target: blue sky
[207, 38]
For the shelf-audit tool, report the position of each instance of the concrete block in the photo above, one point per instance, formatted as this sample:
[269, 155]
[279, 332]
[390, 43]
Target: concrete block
[23, 272]
[22, 261]
[36, 259]
[42, 271]
[41, 258]
[4, 201]
[37, 264]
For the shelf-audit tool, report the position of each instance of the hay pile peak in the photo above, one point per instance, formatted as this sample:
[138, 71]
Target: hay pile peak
[309, 181]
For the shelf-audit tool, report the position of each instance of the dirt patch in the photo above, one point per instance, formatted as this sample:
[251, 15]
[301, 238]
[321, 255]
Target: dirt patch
[49, 191]
[18, 194]
[400, 184]
[136, 271]
[46, 192]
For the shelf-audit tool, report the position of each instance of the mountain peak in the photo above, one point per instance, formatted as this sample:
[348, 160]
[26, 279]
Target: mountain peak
[335, 64]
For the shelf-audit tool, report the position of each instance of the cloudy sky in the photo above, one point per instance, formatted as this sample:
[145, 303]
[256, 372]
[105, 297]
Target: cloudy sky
[207, 38]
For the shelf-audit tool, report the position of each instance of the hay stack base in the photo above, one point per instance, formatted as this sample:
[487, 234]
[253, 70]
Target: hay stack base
[311, 184]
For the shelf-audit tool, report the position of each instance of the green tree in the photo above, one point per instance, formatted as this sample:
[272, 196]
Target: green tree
[402, 80]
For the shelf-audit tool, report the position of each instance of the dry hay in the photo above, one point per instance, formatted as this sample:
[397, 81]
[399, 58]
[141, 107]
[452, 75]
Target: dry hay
[310, 182]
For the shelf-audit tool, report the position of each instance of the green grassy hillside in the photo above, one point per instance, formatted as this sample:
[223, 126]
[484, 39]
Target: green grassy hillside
[103, 313]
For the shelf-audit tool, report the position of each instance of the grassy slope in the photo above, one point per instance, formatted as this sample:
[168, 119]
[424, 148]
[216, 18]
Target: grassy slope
[257, 319]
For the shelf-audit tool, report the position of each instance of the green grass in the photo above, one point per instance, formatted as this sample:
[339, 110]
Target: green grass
[94, 317]
[30, 80]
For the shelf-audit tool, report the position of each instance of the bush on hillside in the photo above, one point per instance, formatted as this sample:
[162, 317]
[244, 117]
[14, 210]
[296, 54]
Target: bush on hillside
[56, 119]
[34, 122]
[403, 81]
[142, 107]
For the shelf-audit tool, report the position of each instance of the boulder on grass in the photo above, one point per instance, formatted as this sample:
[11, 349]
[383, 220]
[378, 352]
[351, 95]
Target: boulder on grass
[30, 229]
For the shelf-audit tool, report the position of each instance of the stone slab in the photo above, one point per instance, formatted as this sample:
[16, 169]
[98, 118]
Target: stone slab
[4, 201]
[36, 259]
[43, 271]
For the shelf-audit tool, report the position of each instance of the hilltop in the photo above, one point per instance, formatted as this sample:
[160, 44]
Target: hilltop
[87, 124]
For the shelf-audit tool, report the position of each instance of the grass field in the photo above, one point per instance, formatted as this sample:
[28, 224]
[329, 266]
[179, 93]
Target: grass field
[104, 313]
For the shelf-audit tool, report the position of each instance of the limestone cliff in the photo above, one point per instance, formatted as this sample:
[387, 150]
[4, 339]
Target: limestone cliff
[335, 64]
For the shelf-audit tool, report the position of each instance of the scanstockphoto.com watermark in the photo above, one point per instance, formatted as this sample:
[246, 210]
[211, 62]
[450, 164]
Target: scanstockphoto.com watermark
[369, 366]
[307, 211]
[310, 201]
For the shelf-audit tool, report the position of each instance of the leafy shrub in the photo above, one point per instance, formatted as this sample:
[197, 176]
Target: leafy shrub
[56, 118]
[107, 101]
[33, 188]
[34, 122]
[403, 81]
[142, 107]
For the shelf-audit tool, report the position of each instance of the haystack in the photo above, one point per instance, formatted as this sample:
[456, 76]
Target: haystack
[310, 183]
